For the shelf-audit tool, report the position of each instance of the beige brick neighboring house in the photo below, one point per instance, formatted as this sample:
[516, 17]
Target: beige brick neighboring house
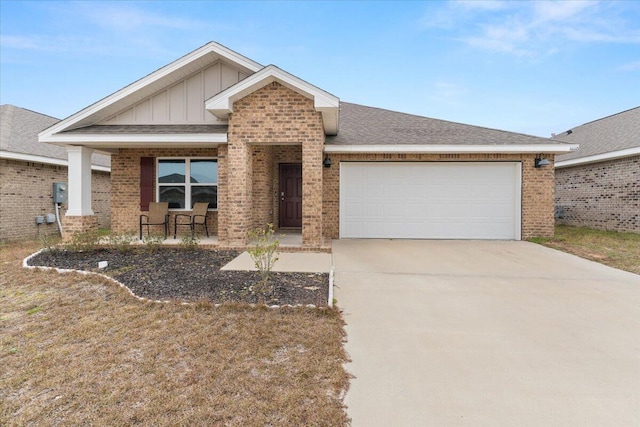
[29, 168]
[264, 146]
[598, 186]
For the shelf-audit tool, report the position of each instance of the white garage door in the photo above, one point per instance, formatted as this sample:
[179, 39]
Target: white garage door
[430, 200]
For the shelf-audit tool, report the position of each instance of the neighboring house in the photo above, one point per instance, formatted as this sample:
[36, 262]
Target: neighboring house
[598, 186]
[264, 146]
[29, 168]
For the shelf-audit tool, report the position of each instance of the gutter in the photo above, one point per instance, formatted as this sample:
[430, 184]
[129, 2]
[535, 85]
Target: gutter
[453, 149]
[612, 155]
[45, 160]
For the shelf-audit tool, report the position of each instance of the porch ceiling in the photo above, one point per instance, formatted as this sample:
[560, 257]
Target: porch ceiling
[109, 138]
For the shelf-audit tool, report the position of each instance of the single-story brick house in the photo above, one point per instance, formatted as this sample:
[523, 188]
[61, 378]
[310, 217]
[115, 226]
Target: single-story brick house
[598, 186]
[264, 146]
[28, 170]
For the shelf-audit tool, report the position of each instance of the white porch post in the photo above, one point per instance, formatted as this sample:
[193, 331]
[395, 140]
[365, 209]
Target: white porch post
[79, 185]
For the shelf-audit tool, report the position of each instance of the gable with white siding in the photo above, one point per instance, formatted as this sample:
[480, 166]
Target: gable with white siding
[183, 102]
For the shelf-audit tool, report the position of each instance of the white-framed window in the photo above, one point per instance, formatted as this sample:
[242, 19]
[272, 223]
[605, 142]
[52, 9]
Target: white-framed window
[183, 181]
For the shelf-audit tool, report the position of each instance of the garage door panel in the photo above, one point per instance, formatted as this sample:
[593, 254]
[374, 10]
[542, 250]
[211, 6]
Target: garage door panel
[371, 191]
[353, 210]
[451, 200]
[414, 191]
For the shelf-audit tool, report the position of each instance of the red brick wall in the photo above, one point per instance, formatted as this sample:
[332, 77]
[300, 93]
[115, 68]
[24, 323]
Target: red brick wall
[262, 189]
[125, 186]
[26, 192]
[272, 116]
[604, 195]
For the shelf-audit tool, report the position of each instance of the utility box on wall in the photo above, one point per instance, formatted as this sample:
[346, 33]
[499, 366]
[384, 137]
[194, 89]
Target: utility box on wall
[59, 192]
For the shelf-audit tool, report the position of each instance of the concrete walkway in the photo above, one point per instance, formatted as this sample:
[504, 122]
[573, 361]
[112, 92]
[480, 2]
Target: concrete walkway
[481, 333]
[305, 262]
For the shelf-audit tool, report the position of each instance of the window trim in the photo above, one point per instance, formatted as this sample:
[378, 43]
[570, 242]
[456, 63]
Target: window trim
[187, 184]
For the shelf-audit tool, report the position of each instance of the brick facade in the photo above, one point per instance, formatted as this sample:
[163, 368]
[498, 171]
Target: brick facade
[604, 195]
[537, 187]
[275, 125]
[78, 224]
[26, 192]
[125, 186]
[261, 180]
[260, 125]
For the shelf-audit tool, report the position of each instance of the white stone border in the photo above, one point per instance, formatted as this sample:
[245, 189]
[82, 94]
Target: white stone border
[25, 264]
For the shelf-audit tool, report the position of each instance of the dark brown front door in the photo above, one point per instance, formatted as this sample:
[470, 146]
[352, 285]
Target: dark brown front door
[290, 195]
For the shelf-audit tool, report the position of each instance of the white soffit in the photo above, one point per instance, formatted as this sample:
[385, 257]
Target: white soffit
[450, 149]
[599, 157]
[221, 105]
[165, 76]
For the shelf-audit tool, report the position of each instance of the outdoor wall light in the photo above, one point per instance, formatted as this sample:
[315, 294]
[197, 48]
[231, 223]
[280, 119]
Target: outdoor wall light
[541, 162]
[326, 162]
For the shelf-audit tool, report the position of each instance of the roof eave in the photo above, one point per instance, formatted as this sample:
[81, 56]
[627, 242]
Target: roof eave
[635, 151]
[45, 160]
[452, 149]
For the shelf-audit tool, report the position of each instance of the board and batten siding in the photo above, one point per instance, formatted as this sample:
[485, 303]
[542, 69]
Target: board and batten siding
[183, 102]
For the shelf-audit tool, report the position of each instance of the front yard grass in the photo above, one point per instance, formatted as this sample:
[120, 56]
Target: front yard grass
[615, 249]
[78, 350]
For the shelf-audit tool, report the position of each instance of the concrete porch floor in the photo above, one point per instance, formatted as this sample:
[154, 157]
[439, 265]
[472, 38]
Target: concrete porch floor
[289, 240]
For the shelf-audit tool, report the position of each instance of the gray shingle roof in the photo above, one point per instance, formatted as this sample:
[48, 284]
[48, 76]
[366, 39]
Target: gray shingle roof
[19, 130]
[613, 133]
[368, 125]
[147, 129]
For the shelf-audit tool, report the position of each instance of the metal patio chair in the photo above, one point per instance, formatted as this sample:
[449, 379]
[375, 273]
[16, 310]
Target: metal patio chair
[197, 217]
[158, 215]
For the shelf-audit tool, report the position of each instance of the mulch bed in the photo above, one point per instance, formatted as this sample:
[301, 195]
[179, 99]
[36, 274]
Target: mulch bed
[190, 275]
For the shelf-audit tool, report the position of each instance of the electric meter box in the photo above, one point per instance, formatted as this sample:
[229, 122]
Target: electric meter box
[59, 192]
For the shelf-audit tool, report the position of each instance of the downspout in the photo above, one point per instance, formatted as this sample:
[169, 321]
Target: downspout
[58, 217]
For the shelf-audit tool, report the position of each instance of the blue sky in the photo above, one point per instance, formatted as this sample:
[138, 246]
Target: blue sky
[531, 67]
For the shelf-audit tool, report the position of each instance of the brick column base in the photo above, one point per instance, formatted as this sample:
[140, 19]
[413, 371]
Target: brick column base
[78, 224]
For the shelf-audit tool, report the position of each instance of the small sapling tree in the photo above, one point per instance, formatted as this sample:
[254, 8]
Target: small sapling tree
[263, 252]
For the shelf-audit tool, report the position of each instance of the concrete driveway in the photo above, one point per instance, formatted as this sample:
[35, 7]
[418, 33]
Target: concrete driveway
[487, 333]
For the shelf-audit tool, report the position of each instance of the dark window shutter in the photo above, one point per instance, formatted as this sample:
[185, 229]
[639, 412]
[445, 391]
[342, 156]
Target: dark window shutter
[146, 182]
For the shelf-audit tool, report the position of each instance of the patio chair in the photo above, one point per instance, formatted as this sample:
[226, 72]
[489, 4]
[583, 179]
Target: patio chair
[197, 217]
[158, 215]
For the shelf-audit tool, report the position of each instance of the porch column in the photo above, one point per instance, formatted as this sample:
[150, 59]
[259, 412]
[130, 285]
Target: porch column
[79, 217]
[79, 185]
[223, 190]
[238, 203]
[312, 193]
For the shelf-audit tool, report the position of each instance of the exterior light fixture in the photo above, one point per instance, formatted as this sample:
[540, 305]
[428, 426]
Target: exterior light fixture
[326, 162]
[541, 162]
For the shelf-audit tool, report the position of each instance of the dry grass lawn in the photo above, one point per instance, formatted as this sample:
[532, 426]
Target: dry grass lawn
[619, 250]
[78, 350]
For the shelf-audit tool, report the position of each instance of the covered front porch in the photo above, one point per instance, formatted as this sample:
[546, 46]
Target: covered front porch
[276, 194]
[278, 184]
[264, 134]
